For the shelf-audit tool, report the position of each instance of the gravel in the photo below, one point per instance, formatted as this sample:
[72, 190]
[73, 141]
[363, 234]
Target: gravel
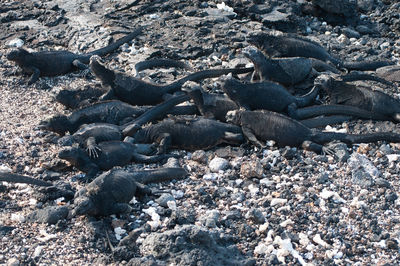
[239, 205]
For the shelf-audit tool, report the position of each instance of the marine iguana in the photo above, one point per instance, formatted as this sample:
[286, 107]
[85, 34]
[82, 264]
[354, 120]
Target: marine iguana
[74, 99]
[264, 125]
[110, 192]
[161, 62]
[113, 153]
[16, 178]
[54, 63]
[138, 92]
[265, 95]
[286, 71]
[88, 135]
[295, 46]
[210, 105]
[113, 112]
[189, 133]
[380, 104]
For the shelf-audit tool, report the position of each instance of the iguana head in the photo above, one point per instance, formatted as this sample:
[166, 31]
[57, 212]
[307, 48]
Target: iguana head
[59, 124]
[233, 117]
[18, 55]
[106, 76]
[84, 205]
[71, 154]
[324, 80]
[263, 41]
[252, 53]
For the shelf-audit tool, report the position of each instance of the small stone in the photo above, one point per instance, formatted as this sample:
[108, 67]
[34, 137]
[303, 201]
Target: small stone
[13, 262]
[256, 216]
[278, 202]
[253, 168]
[350, 33]
[392, 244]
[343, 39]
[15, 43]
[199, 156]
[164, 198]
[217, 164]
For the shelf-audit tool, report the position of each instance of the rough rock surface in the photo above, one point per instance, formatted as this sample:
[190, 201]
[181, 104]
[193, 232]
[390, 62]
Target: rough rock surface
[303, 208]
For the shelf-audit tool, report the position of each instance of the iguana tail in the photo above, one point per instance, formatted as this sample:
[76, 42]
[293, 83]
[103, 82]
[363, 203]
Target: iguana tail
[159, 175]
[210, 73]
[15, 178]
[108, 49]
[307, 99]
[365, 65]
[335, 109]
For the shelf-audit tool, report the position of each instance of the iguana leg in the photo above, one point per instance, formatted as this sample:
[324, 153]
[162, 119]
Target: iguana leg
[164, 141]
[35, 75]
[108, 95]
[312, 146]
[142, 190]
[91, 147]
[292, 110]
[251, 137]
[79, 64]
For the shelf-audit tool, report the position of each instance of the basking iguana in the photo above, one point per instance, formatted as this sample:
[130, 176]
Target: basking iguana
[381, 105]
[265, 95]
[286, 71]
[260, 126]
[189, 133]
[113, 112]
[55, 63]
[112, 153]
[110, 192]
[138, 92]
[295, 46]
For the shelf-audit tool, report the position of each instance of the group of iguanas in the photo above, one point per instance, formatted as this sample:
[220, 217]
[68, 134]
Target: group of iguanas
[113, 131]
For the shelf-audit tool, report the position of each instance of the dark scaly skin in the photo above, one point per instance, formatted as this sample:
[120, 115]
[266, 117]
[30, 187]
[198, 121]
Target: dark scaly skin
[211, 105]
[286, 71]
[16, 178]
[295, 46]
[380, 104]
[264, 125]
[112, 112]
[189, 134]
[138, 92]
[111, 191]
[55, 63]
[113, 153]
[74, 99]
[265, 95]
[156, 112]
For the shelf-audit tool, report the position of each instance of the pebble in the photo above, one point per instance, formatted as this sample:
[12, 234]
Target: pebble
[252, 168]
[17, 43]
[256, 216]
[164, 199]
[218, 164]
[278, 202]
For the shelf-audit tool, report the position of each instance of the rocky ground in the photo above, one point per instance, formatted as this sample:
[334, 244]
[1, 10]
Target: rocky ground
[239, 205]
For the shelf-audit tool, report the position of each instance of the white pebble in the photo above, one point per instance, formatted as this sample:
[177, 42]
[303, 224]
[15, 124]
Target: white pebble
[217, 164]
[318, 240]
[278, 201]
[15, 43]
